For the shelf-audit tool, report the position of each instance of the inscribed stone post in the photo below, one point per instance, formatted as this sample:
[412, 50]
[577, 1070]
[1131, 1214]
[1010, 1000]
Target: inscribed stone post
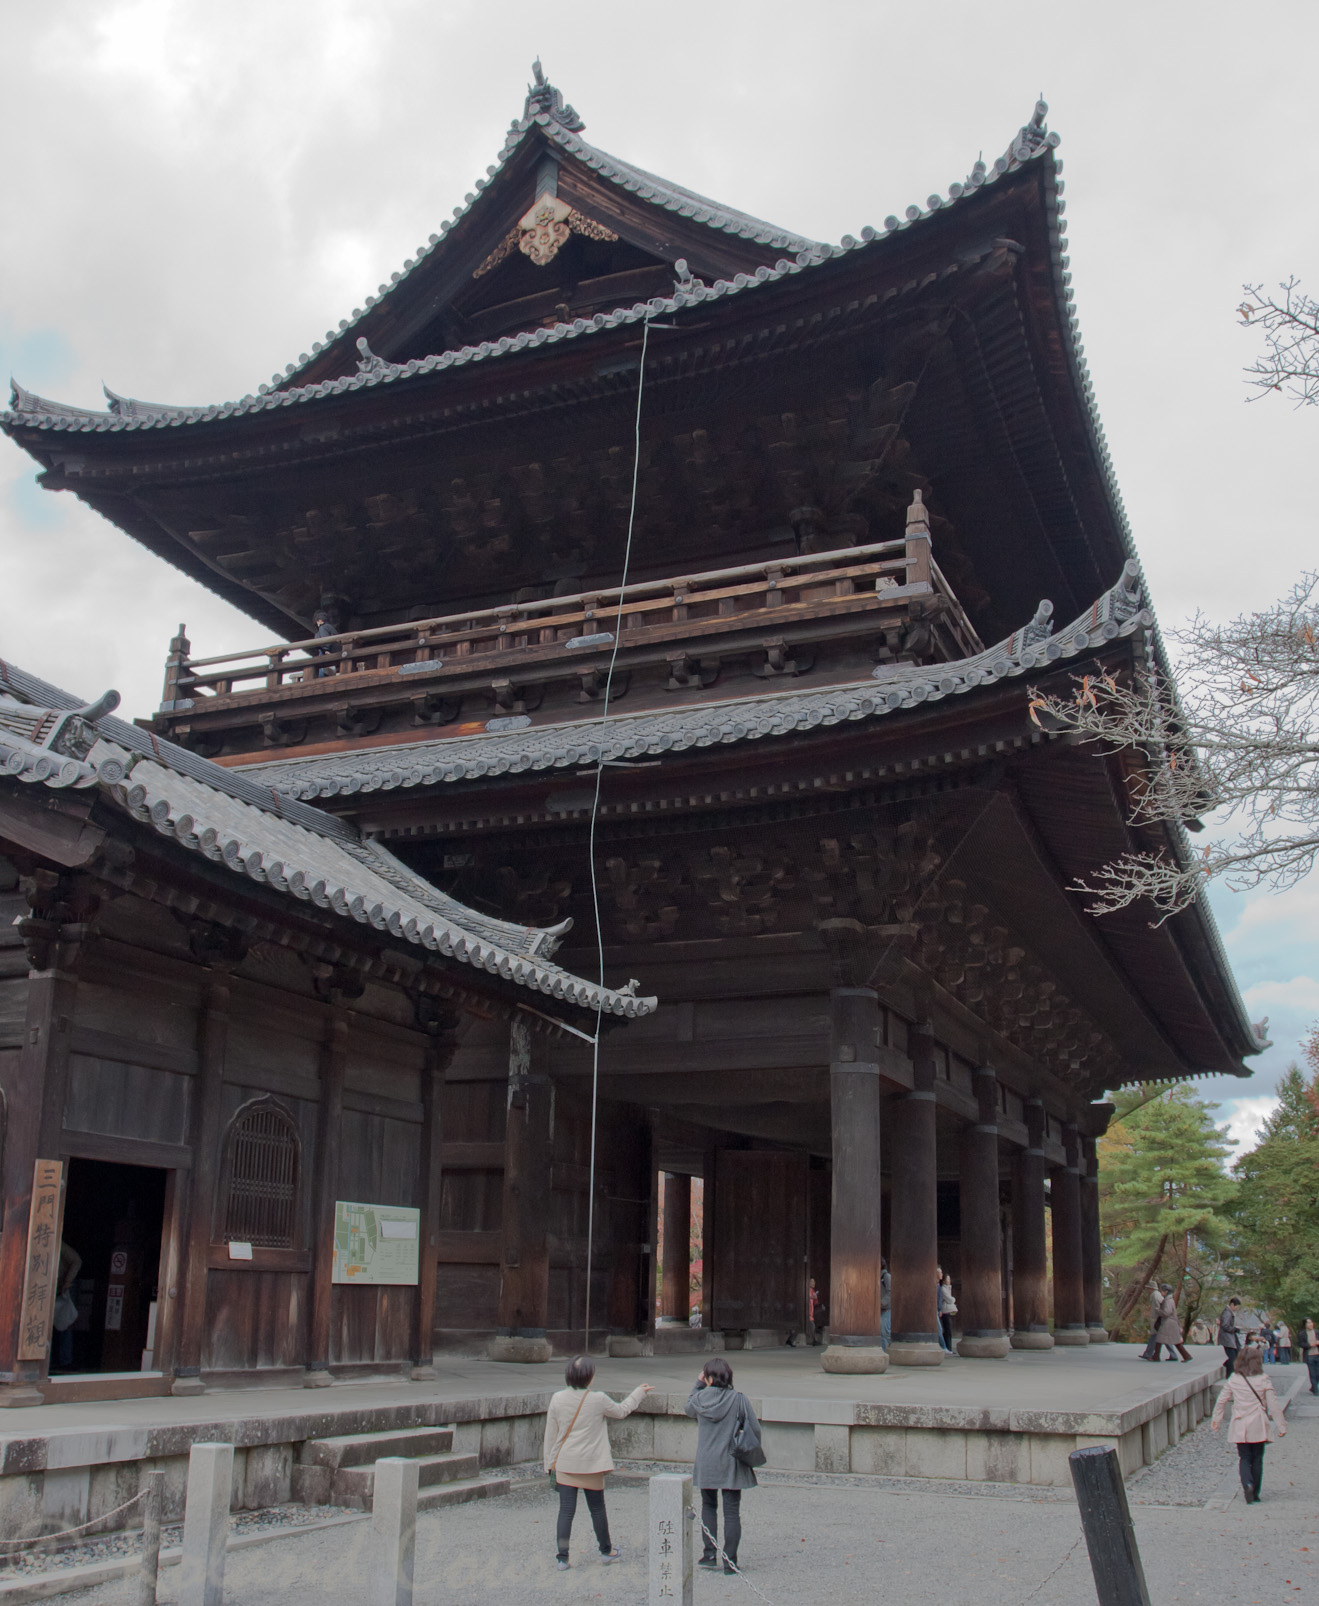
[206, 1524]
[670, 1539]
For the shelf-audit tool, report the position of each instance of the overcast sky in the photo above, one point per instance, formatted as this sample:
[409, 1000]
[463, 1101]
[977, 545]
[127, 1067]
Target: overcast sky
[193, 193]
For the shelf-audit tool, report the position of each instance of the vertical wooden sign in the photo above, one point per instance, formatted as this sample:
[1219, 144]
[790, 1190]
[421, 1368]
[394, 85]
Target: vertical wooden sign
[41, 1278]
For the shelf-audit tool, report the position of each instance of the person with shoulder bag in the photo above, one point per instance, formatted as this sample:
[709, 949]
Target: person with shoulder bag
[1256, 1413]
[1309, 1338]
[728, 1450]
[577, 1453]
[1229, 1334]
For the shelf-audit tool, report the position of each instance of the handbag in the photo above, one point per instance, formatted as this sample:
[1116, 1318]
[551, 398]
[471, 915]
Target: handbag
[66, 1312]
[554, 1483]
[746, 1445]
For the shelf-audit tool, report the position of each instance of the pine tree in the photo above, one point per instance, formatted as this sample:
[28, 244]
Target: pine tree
[1277, 1209]
[1164, 1194]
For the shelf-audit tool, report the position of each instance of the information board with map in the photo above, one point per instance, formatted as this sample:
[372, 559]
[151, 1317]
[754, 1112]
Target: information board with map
[376, 1243]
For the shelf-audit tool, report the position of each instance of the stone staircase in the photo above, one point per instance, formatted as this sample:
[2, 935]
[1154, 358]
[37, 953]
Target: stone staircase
[341, 1471]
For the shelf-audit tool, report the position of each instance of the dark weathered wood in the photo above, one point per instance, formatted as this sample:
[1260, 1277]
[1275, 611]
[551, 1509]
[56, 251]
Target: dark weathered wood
[208, 1095]
[854, 1239]
[1106, 1522]
[980, 1299]
[914, 1247]
[759, 1240]
[430, 1193]
[1030, 1278]
[329, 1128]
[524, 1261]
[675, 1295]
[1068, 1271]
[1092, 1250]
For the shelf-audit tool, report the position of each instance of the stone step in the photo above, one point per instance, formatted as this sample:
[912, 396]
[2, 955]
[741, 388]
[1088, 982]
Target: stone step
[457, 1494]
[364, 1449]
[353, 1486]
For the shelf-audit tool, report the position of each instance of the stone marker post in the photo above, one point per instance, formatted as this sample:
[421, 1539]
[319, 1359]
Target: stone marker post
[670, 1539]
[393, 1531]
[206, 1524]
[151, 1509]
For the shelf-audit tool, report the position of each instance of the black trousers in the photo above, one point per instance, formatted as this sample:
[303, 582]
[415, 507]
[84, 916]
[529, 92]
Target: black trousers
[1250, 1463]
[732, 1521]
[1312, 1363]
[1229, 1359]
[595, 1504]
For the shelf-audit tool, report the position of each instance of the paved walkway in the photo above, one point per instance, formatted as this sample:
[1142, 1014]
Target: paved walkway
[812, 1539]
[1103, 1377]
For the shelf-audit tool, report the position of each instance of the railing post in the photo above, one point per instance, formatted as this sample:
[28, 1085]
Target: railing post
[1106, 1521]
[918, 542]
[151, 1509]
[393, 1531]
[206, 1524]
[176, 666]
[670, 1539]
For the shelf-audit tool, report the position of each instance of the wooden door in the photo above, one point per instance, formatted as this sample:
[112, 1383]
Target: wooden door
[760, 1239]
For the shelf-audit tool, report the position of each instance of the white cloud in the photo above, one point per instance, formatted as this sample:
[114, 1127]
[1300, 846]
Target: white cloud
[1243, 1119]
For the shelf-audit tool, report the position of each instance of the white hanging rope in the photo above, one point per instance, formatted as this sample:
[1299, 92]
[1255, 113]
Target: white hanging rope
[595, 811]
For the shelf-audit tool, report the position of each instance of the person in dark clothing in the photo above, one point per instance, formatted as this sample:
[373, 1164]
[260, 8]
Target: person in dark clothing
[1229, 1334]
[325, 624]
[719, 1410]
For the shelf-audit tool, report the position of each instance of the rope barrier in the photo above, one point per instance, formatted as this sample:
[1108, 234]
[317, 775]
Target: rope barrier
[67, 1533]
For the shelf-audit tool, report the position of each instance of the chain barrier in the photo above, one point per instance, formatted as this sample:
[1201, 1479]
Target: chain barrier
[728, 1562]
[1055, 1571]
[68, 1533]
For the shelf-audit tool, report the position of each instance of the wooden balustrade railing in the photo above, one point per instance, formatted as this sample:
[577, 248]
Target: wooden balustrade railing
[748, 595]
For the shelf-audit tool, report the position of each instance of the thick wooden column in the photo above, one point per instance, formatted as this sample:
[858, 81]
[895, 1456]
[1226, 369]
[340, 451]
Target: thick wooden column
[207, 1096]
[34, 1106]
[524, 1272]
[325, 1186]
[854, 1246]
[1092, 1253]
[914, 1245]
[1068, 1277]
[983, 1335]
[430, 1185]
[1030, 1268]
[675, 1294]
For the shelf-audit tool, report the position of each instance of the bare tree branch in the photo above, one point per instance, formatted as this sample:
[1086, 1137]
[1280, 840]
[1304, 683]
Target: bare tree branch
[1239, 741]
[1290, 321]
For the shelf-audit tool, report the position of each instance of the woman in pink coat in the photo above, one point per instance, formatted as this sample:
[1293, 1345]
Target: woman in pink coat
[1253, 1402]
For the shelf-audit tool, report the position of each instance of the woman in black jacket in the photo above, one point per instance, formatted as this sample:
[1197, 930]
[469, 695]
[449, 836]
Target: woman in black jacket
[720, 1410]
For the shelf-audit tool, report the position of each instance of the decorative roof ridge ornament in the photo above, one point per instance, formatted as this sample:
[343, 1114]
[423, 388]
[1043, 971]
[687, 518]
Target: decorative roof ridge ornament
[686, 281]
[132, 407]
[27, 401]
[544, 100]
[368, 362]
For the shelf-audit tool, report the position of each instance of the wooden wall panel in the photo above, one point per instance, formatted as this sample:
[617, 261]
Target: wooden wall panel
[126, 1100]
[254, 1318]
[466, 1297]
[472, 1201]
[13, 1008]
[380, 1160]
[370, 1324]
[135, 1005]
[473, 1112]
[265, 1055]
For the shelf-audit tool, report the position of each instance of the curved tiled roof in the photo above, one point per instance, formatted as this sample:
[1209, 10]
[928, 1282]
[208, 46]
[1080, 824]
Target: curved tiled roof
[354, 879]
[627, 736]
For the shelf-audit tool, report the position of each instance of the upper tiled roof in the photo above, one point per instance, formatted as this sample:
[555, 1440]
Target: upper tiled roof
[234, 823]
[546, 112]
[893, 687]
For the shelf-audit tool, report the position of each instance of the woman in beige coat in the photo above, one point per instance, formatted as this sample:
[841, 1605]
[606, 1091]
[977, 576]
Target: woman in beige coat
[1250, 1393]
[577, 1450]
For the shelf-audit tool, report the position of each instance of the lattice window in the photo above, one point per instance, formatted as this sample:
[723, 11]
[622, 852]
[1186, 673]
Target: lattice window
[262, 1177]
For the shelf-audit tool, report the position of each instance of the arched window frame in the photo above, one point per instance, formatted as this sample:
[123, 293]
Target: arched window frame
[228, 1229]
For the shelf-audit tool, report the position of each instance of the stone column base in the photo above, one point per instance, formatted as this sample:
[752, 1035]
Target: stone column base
[422, 1372]
[854, 1358]
[1029, 1340]
[517, 1348]
[984, 1347]
[1098, 1335]
[916, 1352]
[317, 1377]
[627, 1346]
[187, 1385]
[1071, 1335]
[13, 1396]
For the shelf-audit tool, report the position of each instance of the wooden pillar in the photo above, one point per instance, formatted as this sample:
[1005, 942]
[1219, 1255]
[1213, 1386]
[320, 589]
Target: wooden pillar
[524, 1272]
[983, 1334]
[709, 1209]
[329, 1127]
[675, 1294]
[914, 1245]
[1030, 1271]
[430, 1185]
[35, 1106]
[1068, 1277]
[207, 1096]
[1092, 1253]
[854, 1317]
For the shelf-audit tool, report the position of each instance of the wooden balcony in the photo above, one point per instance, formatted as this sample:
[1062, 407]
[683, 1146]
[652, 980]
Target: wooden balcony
[773, 617]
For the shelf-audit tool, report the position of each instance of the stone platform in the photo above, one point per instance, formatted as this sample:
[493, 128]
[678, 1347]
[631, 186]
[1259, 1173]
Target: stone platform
[1013, 1420]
